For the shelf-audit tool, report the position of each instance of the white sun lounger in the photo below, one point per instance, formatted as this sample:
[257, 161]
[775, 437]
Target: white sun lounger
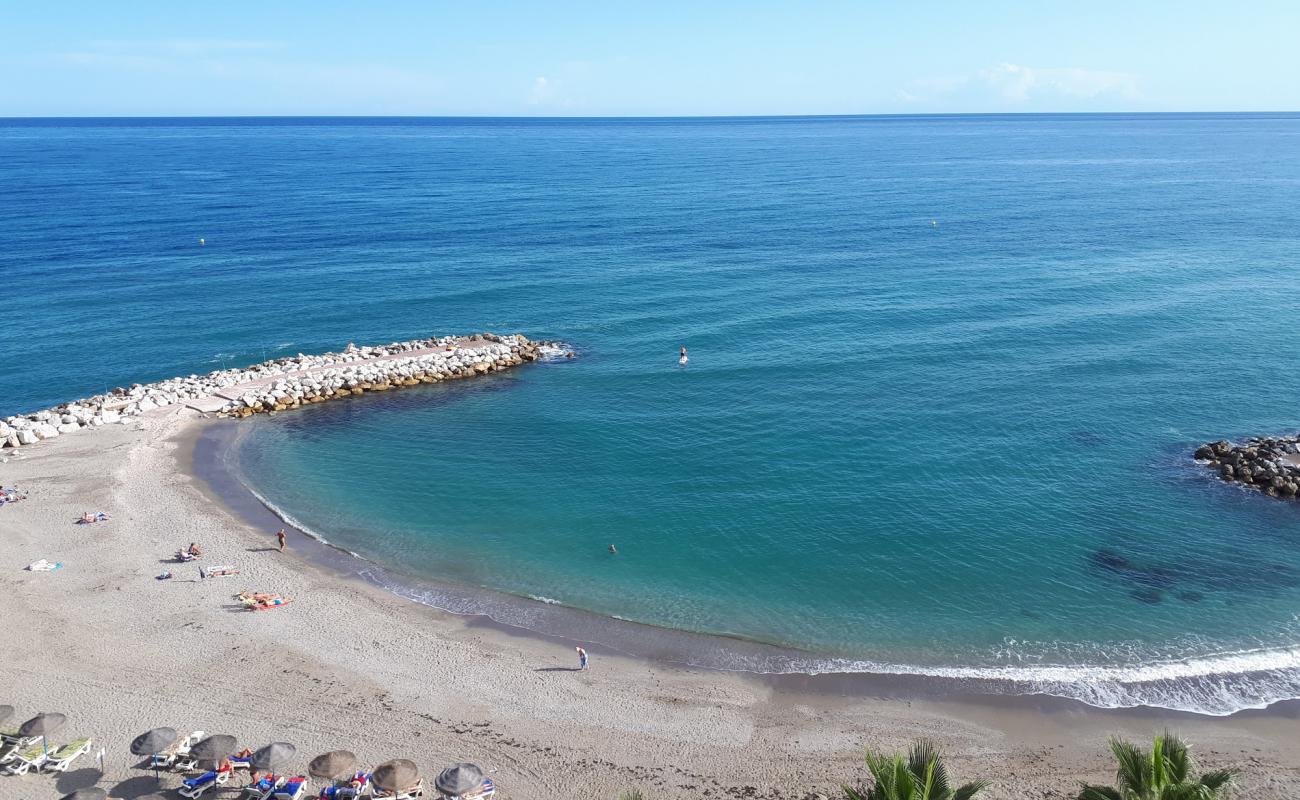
[59, 760]
[197, 786]
[33, 756]
[11, 735]
[176, 750]
[406, 794]
[261, 789]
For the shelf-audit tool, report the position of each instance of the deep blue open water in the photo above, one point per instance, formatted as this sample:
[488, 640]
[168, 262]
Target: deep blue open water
[945, 376]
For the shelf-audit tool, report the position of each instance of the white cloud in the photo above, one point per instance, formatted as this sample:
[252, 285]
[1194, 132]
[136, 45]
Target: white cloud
[1017, 84]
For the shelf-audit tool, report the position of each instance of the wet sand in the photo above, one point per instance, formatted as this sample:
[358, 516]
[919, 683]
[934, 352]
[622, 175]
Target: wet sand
[349, 665]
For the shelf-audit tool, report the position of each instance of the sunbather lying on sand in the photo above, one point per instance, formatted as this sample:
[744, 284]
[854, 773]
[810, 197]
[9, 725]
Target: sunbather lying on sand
[87, 518]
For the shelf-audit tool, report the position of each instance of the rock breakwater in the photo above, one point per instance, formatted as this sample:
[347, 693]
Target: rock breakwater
[1268, 464]
[286, 383]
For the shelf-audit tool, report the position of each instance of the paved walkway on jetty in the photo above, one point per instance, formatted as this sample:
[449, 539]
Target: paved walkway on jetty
[214, 402]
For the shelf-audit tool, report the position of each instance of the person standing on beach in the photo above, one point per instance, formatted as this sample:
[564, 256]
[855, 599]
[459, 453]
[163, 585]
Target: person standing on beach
[582, 659]
[280, 538]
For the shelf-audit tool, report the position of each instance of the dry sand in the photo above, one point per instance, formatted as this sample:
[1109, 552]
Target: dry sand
[349, 666]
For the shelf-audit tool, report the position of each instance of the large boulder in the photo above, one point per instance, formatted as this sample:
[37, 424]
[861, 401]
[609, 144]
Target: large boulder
[44, 430]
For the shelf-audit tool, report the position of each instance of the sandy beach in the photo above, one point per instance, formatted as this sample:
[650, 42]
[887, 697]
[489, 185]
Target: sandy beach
[349, 666]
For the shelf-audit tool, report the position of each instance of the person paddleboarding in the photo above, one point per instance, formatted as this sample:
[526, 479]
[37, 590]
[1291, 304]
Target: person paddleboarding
[683, 359]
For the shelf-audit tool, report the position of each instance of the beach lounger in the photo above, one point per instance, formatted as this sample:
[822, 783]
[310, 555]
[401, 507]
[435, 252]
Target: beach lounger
[197, 786]
[11, 736]
[406, 794]
[357, 786]
[33, 755]
[177, 750]
[262, 788]
[292, 789]
[59, 760]
[7, 750]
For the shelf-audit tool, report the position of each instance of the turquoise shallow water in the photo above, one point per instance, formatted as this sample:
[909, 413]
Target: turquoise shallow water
[945, 373]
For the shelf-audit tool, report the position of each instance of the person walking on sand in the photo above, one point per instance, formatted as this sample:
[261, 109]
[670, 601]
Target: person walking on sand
[582, 659]
[280, 538]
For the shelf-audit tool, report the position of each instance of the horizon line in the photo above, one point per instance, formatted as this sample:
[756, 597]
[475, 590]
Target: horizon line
[6, 117]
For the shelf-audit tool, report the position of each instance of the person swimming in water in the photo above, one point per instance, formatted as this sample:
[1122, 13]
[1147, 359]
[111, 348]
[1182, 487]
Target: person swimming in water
[613, 549]
[683, 358]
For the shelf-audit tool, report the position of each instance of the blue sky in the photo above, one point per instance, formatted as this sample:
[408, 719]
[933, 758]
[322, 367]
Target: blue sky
[662, 58]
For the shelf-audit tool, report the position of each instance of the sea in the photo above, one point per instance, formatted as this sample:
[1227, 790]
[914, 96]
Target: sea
[945, 373]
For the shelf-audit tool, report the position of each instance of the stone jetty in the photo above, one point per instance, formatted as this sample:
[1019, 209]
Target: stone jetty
[1270, 465]
[285, 383]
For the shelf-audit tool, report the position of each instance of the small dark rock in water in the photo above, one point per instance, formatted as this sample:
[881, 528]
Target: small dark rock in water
[1190, 597]
[1150, 596]
[1109, 559]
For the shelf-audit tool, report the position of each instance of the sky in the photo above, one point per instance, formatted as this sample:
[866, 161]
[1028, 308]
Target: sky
[664, 58]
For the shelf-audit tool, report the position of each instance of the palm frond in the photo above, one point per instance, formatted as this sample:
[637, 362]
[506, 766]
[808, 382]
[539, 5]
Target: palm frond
[924, 763]
[1134, 773]
[968, 790]
[1176, 757]
[1219, 778]
[1091, 792]
[854, 794]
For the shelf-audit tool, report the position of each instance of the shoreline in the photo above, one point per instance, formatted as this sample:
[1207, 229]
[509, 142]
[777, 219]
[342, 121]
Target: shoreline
[350, 665]
[778, 665]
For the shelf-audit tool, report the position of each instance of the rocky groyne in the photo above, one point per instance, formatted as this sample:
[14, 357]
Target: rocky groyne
[285, 383]
[1270, 465]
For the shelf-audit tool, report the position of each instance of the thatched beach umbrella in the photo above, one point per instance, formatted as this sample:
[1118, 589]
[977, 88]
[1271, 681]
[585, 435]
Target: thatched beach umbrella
[395, 775]
[274, 756]
[42, 725]
[90, 793]
[332, 765]
[152, 742]
[6, 712]
[213, 748]
[459, 779]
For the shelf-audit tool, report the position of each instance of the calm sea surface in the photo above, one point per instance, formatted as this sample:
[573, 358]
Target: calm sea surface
[945, 373]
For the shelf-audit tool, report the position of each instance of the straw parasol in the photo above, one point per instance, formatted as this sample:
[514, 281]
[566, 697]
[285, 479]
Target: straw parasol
[154, 741]
[334, 764]
[395, 775]
[91, 793]
[213, 748]
[459, 779]
[274, 756]
[42, 725]
[151, 742]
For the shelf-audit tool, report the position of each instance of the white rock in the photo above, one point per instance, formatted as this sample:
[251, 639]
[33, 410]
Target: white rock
[45, 431]
[27, 436]
[68, 427]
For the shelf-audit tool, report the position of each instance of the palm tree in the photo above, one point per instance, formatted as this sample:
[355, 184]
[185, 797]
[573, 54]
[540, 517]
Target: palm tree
[1162, 774]
[921, 776]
